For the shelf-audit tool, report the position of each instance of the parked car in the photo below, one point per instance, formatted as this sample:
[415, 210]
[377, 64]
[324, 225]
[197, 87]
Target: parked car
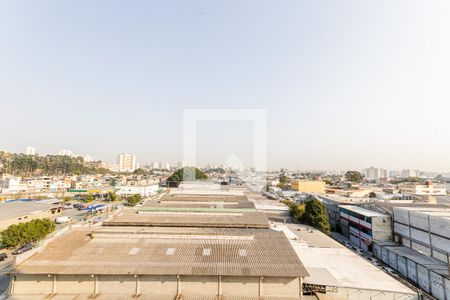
[24, 248]
[63, 219]
[3, 256]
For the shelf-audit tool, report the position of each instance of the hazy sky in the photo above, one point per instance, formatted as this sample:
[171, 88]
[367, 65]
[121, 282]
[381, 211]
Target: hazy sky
[346, 84]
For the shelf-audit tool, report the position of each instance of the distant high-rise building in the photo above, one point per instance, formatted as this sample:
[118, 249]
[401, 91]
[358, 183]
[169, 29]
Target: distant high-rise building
[407, 173]
[88, 158]
[165, 165]
[31, 150]
[65, 152]
[373, 173]
[126, 162]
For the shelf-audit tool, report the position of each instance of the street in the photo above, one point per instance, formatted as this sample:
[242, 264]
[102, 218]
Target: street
[5, 266]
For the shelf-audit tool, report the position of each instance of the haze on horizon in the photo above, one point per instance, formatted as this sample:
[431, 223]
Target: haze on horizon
[345, 84]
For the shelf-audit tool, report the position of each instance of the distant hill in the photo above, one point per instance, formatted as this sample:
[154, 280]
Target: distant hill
[35, 165]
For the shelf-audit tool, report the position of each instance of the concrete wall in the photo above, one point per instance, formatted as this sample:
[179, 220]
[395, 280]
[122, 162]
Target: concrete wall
[419, 220]
[440, 226]
[280, 286]
[154, 285]
[447, 288]
[234, 286]
[401, 215]
[381, 229]
[437, 285]
[32, 285]
[423, 278]
[157, 285]
[429, 281]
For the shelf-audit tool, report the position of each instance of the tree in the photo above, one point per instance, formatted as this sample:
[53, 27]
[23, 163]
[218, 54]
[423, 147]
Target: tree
[112, 196]
[22, 233]
[354, 176]
[89, 198]
[134, 199]
[191, 173]
[372, 195]
[141, 171]
[297, 211]
[316, 215]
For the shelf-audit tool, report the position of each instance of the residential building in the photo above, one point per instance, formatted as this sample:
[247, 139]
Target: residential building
[30, 151]
[427, 189]
[373, 173]
[407, 173]
[143, 190]
[88, 158]
[12, 185]
[308, 186]
[127, 162]
[363, 226]
[65, 152]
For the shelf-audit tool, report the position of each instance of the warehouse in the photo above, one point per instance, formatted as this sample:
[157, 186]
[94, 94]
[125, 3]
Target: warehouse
[430, 274]
[363, 226]
[190, 217]
[18, 211]
[163, 263]
[424, 229]
[202, 201]
[337, 272]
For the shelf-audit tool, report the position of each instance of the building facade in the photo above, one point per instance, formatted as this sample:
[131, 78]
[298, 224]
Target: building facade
[308, 186]
[427, 189]
[127, 162]
[363, 226]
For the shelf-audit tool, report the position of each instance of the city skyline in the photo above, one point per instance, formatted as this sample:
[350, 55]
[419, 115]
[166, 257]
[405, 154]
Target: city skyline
[342, 89]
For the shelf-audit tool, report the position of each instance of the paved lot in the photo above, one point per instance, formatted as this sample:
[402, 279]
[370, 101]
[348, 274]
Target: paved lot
[5, 267]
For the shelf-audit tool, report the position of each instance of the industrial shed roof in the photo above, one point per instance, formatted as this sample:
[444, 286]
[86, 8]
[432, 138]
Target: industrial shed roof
[201, 204]
[204, 197]
[169, 251]
[11, 209]
[191, 218]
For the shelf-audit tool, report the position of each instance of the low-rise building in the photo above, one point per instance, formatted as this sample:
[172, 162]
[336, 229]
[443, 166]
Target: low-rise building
[427, 189]
[336, 272]
[363, 226]
[308, 186]
[143, 190]
[429, 274]
[19, 211]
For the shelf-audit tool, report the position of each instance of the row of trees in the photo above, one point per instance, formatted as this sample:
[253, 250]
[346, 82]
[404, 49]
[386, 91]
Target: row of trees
[22, 233]
[312, 213]
[30, 165]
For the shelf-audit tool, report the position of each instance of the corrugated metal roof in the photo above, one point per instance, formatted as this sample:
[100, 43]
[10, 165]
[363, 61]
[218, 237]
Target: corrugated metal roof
[208, 218]
[19, 208]
[269, 253]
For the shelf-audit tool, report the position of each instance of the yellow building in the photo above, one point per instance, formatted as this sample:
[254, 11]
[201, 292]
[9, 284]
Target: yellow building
[308, 186]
